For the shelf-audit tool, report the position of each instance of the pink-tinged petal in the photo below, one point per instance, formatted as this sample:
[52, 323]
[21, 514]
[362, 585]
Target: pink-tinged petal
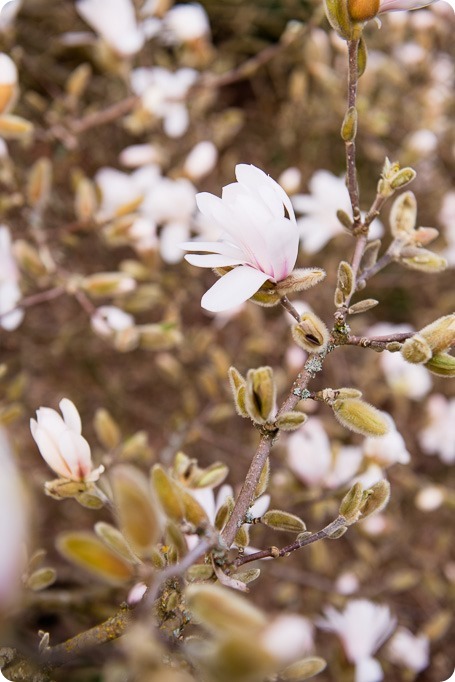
[50, 419]
[222, 248]
[76, 453]
[212, 260]
[282, 239]
[253, 177]
[50, 452]
[234, 288]
[70, 415]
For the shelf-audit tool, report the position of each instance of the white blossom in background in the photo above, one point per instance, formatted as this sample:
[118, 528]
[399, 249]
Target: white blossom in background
[447, 219]
[61, 444]
[347, 583]
[314, 462]
[115, 22]
[288, 637]
[319, 223]
[362, 628]
[408, 650]
[185, 24]
[201, 160]
[438, 436]
[10, 293]
[258, 241]
[8, 83]
[137, 155]
[8, 13]
[290, 180]
[163, 94]
[119, 190]
[406, 5]
[12, 524]
[389, 449]
[109, 319]
[429, 498]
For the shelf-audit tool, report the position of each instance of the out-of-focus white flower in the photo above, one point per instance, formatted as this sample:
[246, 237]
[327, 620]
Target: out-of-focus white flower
[409, 54]
[347, 583]
[119, 190]
[12, 524]
[438, 436]
[447, 219]
[422, 142]
[375, 525]
[388, 449]
[8, 12]
[10, 294]
[310, 457]
[362, 628]
[290, 180]
[185, 23]
[288, 637]
[408, 650]
[137, 155]
[163, 94]
[61, 444]
[136, 593]
[429, 498]
[406, 5]
[319, 224]
[109, 319]
[201, 160]
[8, 83]
[259, 242]
[115, 22]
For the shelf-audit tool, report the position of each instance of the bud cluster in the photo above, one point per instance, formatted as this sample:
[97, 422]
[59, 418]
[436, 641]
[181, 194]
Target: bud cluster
[430, 345]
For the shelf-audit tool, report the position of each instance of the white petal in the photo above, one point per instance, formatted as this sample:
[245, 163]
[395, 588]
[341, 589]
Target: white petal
[253, 177]
[176, 121]
[368, 670]
[71, 415]
[50, 452]
[212, 260]
[223, 248]
[76, 453]
[234, 288]
[170, 239]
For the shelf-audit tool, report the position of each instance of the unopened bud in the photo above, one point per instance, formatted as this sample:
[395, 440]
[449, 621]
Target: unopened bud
[376, 498]
[344, 219]
[238, 388]
[15, 127]
[363, 10]
[224, 512]
[362, 57]
[28, 258]
[39, 182]
[422, 260]
[311, 333]
[85, 201]
[351, 504]
[442, 364]
[402, 178]
[349, 126]
[370, 254]
[194, 512]
[107, 431]
[41, 578]
[403, 215]
[263, 480]
[416, 350]
[282, 520]
[300, 280]
[199, 573]
[360, 417]
[440, 334]
[290, 421]
[339, 18]
[242, 537]
[168, 493]
[247, 576]
[108, 284]
[260, 394]
[159, 336]
[212, 476]
[362, 306]
[424, 235]
[303, 670]
[78, 81]
[338, 298]
[267, 296]
[345, 279]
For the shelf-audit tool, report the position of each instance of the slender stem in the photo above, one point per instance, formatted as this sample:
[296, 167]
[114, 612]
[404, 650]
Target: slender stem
[275, 553]
[377, 342]
[34, 299]
[353, 77]
[385, 260]
[287, 305]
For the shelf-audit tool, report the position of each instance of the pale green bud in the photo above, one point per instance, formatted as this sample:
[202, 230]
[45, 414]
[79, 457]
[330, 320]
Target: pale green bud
[349, 126]
[88, 552]
[370, 254]
[345, 279]
[440, 334]
[115, 540]
[168, 493]
[266, 297]
[442, 364]
[162, 336]
[15, 127]
[338, 16]
[300, 280]
[311, 333]
[263, 480]
[260, 394]
[242, 537]
[422, 260]
[107, 431]
[199, 573]
[402, 178]
[376, 498]
[238, 388]
[362, 306]
[224, 513]
[351, 504]
[28, 258]
[39, 182]
[108, 284]
[41, 579]
[282, 520]
[194, 512]
[362, 57]
[211, 477]
[424, 235]
[360, 417]
[85, 200]
[78, 80]
[290, 421]
[304, 669]
[403, 216]
[338, 298]
[344, 219]
[247, 576]
[416, 350]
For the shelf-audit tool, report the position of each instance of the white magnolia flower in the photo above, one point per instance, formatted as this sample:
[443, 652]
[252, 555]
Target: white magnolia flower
[137, 155]
[447, 219]
[115, 22]
[201, 160]
[408, 650]
[258, 241]
[12, 524]
[185, 23]
[438, 436]
[314, 462]
[10, 294]
[288, 637]
[429, 498]
[406, 5]
[61, 444]
[319, 224]
[8, 12]
[362, 628]
[290, 180]
[163, 94]
[389, 449]
[119, 190]
[109, 319]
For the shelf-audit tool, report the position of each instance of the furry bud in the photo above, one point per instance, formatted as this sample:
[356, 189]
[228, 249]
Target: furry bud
[360, 417]
[442, 364]
[260, 394]
[416, 350]
[311, 333]
[440, 335]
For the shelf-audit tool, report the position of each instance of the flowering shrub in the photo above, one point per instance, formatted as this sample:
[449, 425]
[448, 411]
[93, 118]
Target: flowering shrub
[230, 437]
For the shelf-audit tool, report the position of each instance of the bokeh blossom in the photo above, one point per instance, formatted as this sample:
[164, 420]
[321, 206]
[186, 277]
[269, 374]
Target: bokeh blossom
[115, 22]
[10, 293]
[408, 650]
[61, 444]
[362, 628]
[438, 435]
[258, 240]
[185, 23]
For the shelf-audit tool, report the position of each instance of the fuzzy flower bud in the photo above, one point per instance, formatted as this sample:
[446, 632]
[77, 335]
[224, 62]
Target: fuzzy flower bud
[442, 364]
[360, 417]
[311, 333]
[416, 350]
[260, 394]
[440, 335]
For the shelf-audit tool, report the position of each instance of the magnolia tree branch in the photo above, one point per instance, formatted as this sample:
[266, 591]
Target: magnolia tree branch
[377, 342]
[351, 178]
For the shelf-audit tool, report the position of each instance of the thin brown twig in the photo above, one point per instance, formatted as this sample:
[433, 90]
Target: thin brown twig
[377, 342]
[287, 305]
[351, 178]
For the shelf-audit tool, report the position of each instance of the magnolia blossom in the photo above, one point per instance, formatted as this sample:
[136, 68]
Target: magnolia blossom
[258, 241]
[319, 224]
[389, 449]
[397, 5]
[115, 22]
[137, 155]
[8, 12]
[288, 637]
[185, 23]
[438, 436]
[447, 219]
[109, 319]
[163, 94]
[362, 628]
[10, 294]
[61, 444]
[408, 650]
[201, 160]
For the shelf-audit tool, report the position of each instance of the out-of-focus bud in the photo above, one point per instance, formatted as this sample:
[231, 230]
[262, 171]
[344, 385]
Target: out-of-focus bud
[8, 83]
[194, 512]
[107, 431]
[416, 350]
[263, 480]
[300, 280]
[260, 394]
[363, 10]
[389, 170]
[376, 498]
[351, 504]
[168, 494]
[442, 364]
[362, 306]
[115, 540]
[211, 477]
[303, 670]
[108, 284]
[224, 512]
[85, 201]
[349, 126]
[39, 183]
[402, 178]
[28, 258]
[290, 421]
[282, 520]
[41, 579]
[360, 417]
[242, 537]
[344, 219]
[137, 155]
[311, 333]
[345, 279]
[199, 573]
[201, 160]
[15, 127]
[77, 81]
[159, 336]
[238, 388]
[440, 334]
[338, 16]
[422, 260]
[88, 552]
[370, 255]
[424, 235]
[403, 216]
